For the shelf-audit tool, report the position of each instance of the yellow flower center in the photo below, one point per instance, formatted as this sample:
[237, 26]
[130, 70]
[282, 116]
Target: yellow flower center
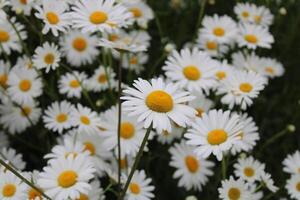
[24, 2]
[74, 83]
[102, 78]
[298, 187]
[113, 37]
[211, 45]
[221, 75]
[88, 146]
[159, 101]
[85, 120]
[67, 179]
[83, 197]
[192, 73]
[249, 172]
[234, 194]
[216, 137]
[246, 87]
[200, 112]
[4, 36]
[136, 12]
[245, 14]
[257, 19]
[79, 44]
[49, 58]
[34, 195]
[219, 31]
[133, 60]
[9, 190]
[269, 70]
[52, 18]
[251, 38]
[192, 164]
[62, 117]
[127, 130]
[25, 85]
[165, 133]
[134, 188]
[3, 80]
[25, 111]
[98, 17]
[123, 163]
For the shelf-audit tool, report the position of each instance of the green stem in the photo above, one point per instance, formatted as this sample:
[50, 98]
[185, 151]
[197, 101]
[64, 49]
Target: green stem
[136, 162]
[156, 64]
[274, 138]
[200, 17]
[224, 167]
[15, 172]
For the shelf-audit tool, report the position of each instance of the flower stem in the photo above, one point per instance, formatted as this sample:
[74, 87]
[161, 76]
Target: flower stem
[274, 138]
[200, 17]
[15, 172]
[224, 167]
[136, 162]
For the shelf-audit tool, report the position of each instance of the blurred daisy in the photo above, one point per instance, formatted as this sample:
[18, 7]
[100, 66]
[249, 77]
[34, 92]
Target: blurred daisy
[214, 133]
[139, 187]
[268, 181]
[249, 135]
[57, 116]
[191, 69]
[24, 85]
[47, 56]
[158, 103]
[4, 142]
[96, 193]
[192, 171]
[11, 187]
[135, 62]
[234, 189]
[168, 137]
[141, 12]
[253, 36]
[99, 15]
[22, 6]
[102, 79]
[24, 61]
[9, 38]
[244, 11]
[67, 178]
[223, 71]
[293, 186]
[271, 68]
[54, 16]
[201, 104]
[71, 84]
[211, 47]
[86, 120]
[292, 163]
[79, 48]
[14, 158]
[222, 29]
[248, 169]
[241, 87]
[4, 71]
[262, 16]
[249, 62]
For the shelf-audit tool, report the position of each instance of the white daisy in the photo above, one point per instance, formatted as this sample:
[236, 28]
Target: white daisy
[268, 181]
[253, 36]
[192, 171]
[262, 16]
[249, 62]
[46, 56]
[96, 192]
[158, 103]
[139, 187]
[57, 116]
[141, 12]
[102, 79]
[53, 14]
[234, 190]
[168, 137]
[99, 15]
[211, 47]
[192, 69]
[24, 85]
[293, 186]
[135, 62]
[22, 6]
[79, 48]
[223, 71]
[244, 11]
[292, 163]
[240, 88]
[71, 84]
[14, 158]
[201, 104]
[271, 68]
[11, 187]
[67, 178]
[214, 133]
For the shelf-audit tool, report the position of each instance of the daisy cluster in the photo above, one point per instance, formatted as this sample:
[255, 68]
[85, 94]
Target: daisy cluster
[66, 89]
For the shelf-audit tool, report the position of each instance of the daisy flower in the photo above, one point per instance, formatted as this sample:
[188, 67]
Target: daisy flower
[191, 69]
[293, 186]
[46, 56]
[54, 16]
[292, 163]
[24, 85]
[86, 120]
[132, 132]
[262, 16]
[102, 79]
[234, 189]
[100, 15]
[240, 88]
[244, 11]
[26, 115]
[58, 116]
[22, 6]
[249, 135]
[168, 137]
[9, 38]
[79, 48]
[214, 133]
[211, 47]
[192, 171]
[253, 36]
[24, 61]
[4, 142]
[71, 84]
[268, 181]
[3, 3]
[135, 62]
[4, 71]
[249, 62]
[222, 29]
[201, 104]
[14, 158]
[248, 169]
[11, 187]
[96, 192]
[67, 178]
[139, 187]
[223, 71]
[141, 12]
[158, 103]
[271, 68]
